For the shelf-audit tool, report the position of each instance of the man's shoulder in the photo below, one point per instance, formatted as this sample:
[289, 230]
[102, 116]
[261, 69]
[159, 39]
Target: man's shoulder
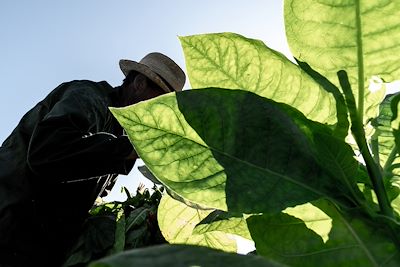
[79, 89]
[85, 87]
[86, 83]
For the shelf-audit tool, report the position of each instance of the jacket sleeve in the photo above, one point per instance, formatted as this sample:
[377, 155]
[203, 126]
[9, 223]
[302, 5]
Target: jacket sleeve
[64, 146]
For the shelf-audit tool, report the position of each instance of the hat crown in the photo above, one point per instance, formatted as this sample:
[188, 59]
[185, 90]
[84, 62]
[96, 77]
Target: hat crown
[159, 68]
[166, 68]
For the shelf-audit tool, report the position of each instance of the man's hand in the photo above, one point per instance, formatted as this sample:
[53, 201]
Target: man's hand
[133, 155]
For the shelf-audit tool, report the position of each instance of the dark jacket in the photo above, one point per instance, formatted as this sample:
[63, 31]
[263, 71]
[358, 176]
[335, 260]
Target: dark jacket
[57, 161]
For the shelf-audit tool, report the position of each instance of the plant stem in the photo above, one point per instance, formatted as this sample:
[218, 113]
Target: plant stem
[390, 159]
[375, 149]
[360, 59]
[374, 172]
[357, 129]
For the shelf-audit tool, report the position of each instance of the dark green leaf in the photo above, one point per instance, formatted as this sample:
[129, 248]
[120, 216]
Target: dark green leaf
[182, 256]
[137, 237]
[79, 254]
[337, 158]
[136, 218]
[147, 173]
[78, 258]
[323, 235]
[119, 242]
[100, 234]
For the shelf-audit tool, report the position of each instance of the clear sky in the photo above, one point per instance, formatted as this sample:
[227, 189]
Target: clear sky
[45, 42]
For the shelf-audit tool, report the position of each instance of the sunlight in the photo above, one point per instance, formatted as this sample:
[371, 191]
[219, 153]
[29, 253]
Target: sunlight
[315, 219]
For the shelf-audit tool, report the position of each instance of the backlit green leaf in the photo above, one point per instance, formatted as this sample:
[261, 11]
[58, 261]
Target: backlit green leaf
[182, 256]
[228, 60]
[177, 221]
[225, 222]
[337, 158]
[314, 219]
[385, 149]
[232, 150]
[373, 98]
[342, 126]
[147, 173]
[388, 135]
[360, 37]
[335, 238]
[396, 202]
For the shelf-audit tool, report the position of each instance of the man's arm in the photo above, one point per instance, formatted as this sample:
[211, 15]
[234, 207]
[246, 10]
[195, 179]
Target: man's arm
[62, 147]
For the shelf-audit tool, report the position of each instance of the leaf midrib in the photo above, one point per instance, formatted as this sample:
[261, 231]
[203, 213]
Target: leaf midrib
[360, 61]
[238, 159]
[358, 240]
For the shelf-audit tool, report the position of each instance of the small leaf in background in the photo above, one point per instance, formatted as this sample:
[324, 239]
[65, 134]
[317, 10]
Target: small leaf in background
[395, 108]
[342, 126]
[117, 226]
[372, 102]
[346, 239]
[388, 136]
[149, 175]
[228, 60]
[177, 222]
[101, 233]
[314, 219]
[137, 237]
[119, 241]
[142, 228]
[136, 218]
[225, 222]
[374, 95]
[79, 254]
[182, 256]
[384, 146]
[396, 201]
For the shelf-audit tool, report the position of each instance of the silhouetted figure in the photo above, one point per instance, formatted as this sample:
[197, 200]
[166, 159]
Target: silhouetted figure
[63, 154]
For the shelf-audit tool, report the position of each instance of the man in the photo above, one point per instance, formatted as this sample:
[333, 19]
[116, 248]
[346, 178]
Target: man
[63, 154]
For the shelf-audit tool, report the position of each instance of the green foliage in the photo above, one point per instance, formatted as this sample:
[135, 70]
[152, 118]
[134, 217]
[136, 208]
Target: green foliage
[340, 239]
[226, 222]
[232, 61]
[182, 256]
[177, 221]
[360, 37]
[263, 143]
[220, 143]
[117, 226]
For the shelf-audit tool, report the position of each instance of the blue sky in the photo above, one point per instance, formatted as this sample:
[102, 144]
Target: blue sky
[44, 43]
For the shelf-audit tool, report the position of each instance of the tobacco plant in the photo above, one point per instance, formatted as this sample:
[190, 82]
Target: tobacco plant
[302, 158]
[116, 226]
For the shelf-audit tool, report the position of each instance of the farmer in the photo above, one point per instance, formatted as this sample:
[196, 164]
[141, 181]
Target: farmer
[64, 153]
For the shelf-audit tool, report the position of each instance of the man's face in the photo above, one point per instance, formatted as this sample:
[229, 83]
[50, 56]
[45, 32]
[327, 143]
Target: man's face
[151, 91]
[141, 89]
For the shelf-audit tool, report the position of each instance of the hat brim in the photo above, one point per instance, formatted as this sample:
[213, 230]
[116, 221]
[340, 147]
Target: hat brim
[129, 65]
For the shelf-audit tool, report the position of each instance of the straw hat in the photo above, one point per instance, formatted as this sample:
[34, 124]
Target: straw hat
[159, 68]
